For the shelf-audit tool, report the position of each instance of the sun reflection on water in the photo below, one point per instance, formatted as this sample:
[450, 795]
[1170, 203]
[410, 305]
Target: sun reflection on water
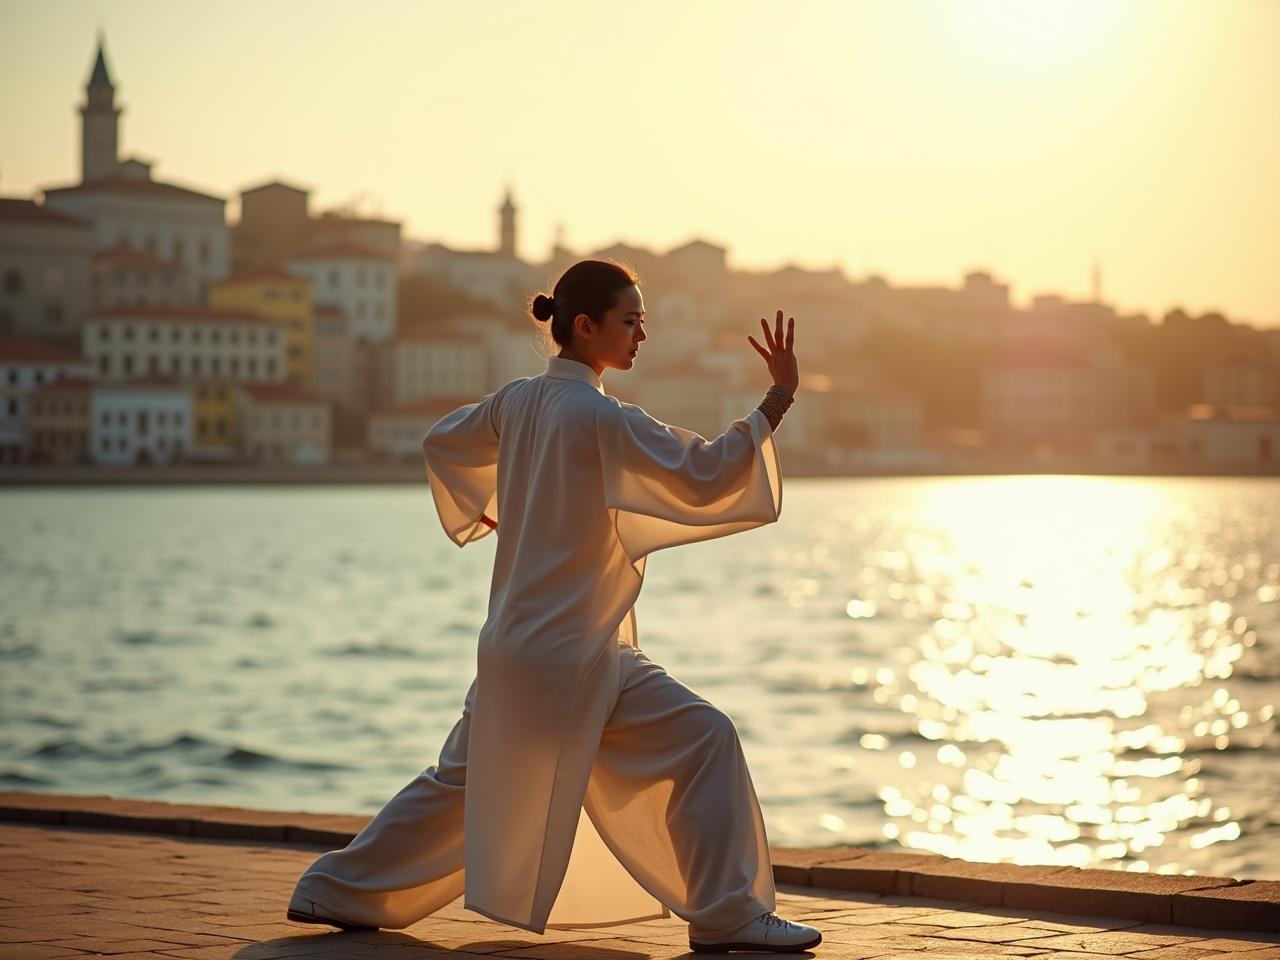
[1058, 616]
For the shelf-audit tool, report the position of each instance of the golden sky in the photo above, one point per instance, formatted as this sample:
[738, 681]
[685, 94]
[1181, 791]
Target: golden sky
[917, 139]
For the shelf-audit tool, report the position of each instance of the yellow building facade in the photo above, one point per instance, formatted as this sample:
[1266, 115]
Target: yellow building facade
[281, 296]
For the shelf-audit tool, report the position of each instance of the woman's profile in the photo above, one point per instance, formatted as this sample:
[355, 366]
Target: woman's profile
[595, 788]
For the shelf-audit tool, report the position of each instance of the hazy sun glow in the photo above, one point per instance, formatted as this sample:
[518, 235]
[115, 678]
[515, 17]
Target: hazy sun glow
[1036, 30]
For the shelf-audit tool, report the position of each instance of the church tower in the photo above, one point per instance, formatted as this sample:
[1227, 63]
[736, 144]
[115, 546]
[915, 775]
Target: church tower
[507, 230]
[100, 123]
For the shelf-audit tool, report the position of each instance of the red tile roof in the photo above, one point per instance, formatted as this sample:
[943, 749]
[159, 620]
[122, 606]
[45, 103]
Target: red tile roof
[124, 255]
[344, 251]
[117, 183]
[281, 393]
[273, 185]
[19, 210]
[30, 350]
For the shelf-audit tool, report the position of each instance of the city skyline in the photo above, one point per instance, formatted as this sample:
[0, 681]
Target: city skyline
[1033, 254]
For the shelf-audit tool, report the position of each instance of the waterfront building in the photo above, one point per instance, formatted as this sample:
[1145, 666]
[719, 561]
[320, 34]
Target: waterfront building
[143, 421]
[190, 342]
[44, 271]
[282, 296]
[279, 423]
[26, 365]
[58, 422]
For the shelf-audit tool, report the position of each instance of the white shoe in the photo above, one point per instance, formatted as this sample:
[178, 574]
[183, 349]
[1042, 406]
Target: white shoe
[767, 932]
[302, 910]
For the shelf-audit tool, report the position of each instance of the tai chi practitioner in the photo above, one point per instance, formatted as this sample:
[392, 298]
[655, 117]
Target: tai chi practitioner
[595, 789]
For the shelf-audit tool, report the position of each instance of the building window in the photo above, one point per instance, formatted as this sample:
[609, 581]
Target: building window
[362, 276]
[104, 364]
[253, 366]
[333, 279]
[204, 250]
[12, 281]
[215, 365]
[234, 336]
[128, 363]
[128, 332]
[271, 366]
[215, 335]
[175, 334]
[235, 366]
[151, 243]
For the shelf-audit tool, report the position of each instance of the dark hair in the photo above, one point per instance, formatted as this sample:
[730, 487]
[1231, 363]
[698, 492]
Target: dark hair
[590, 287]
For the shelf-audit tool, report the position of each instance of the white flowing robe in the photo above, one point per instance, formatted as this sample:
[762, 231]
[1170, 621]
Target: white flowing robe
[581, 487]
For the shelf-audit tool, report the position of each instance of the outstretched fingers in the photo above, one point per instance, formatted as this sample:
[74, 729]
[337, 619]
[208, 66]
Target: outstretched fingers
[759, 350]
[791, 331]
[768, 335]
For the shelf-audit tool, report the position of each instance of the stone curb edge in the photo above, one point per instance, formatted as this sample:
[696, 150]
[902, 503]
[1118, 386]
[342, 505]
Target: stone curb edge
[1219, 903]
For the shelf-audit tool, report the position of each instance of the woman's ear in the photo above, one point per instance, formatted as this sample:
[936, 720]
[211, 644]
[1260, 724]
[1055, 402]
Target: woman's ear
[582, 324]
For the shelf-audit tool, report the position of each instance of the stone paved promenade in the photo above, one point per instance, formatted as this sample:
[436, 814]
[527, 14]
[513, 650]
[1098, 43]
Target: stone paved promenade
[149, 887]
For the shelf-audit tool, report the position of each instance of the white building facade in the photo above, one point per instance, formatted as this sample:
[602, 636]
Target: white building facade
[128, 342]
[139, 423]
[360, 281]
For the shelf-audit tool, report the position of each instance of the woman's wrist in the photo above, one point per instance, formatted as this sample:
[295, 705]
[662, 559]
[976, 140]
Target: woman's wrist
[775, 404]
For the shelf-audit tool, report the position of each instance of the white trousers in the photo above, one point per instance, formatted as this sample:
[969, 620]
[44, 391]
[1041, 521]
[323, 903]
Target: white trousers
[670, 794]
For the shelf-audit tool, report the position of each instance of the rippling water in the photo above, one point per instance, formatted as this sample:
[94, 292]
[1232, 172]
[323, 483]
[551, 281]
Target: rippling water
[1036, 669]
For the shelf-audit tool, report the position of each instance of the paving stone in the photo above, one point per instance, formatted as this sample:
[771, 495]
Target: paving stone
[999, 933]
[1112, 942]
[877, 872]
[1178, 951]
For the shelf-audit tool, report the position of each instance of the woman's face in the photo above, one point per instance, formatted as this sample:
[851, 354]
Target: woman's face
[615, 341]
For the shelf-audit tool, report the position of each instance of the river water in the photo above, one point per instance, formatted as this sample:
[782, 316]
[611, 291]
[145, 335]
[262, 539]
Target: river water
[1030, 669]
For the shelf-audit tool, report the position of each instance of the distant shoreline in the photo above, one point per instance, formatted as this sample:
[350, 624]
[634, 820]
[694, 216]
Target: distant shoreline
[363, 473]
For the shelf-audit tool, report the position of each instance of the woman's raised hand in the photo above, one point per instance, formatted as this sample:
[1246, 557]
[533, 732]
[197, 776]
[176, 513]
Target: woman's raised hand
[780, 357]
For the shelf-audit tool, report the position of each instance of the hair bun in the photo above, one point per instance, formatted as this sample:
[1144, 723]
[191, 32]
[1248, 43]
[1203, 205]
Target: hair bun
[544, 307]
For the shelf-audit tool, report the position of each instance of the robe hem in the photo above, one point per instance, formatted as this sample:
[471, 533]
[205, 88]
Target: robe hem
[564, 926]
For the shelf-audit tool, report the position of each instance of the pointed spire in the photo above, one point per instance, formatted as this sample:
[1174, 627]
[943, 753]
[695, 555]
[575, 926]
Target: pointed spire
[100, 77]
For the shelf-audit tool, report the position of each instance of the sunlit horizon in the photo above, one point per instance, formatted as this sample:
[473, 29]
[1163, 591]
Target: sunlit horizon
[912, 140]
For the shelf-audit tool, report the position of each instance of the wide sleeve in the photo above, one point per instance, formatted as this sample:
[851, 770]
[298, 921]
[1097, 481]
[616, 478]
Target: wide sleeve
[461, 452]
[666, 485]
